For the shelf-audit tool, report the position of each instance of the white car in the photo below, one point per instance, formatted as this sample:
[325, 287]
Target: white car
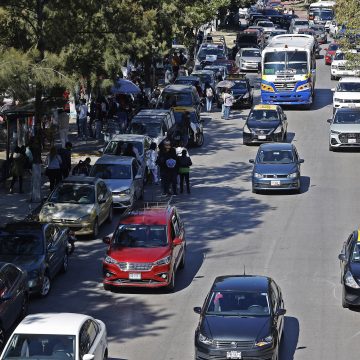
[333, 28]
[248, 59]
[339, 66]
[297, 24]
[347, 93]
[60, 336]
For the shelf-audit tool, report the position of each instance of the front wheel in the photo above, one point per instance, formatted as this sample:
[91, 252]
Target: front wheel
[182, 263]
[344, 304]
[171, 286]
[2, 337]
[96, 228]
[199, 139]
[46, 285]
[65, 263]
[110, 216]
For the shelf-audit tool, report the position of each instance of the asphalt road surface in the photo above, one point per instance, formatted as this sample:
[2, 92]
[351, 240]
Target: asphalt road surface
[293, 238]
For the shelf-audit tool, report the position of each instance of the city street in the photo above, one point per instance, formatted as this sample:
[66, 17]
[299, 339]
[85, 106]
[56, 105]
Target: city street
[294, 239]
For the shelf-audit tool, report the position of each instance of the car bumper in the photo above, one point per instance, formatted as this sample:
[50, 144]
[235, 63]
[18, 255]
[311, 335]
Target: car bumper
[286, 98]
[250, 66]
[352, 296]
[259, 138]
[121, 201]
[79, 228]
[158, 276]
[238, 102]
[338, 141]
[340, 73]
[337, 105]
[276, 184]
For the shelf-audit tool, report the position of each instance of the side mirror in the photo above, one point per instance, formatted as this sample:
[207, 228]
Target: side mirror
[88, 357]
[101, 150]
[280, 312]
[333, 89]
[197, 310]
[301, 161]
[342, 257]
[177, 241]
[329, 121]
[106, 240]
[251, 161]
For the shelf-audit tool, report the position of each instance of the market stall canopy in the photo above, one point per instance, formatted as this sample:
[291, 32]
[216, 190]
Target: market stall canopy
[123, 86]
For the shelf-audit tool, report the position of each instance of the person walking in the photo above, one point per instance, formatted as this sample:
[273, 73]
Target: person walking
[163, 156]
[53, 169]
[17, 169]
[228, 103]
[171, 172]
[65, 154]
[83, 111]
[83, 168]
[63, 122]
[184, 163]
[151, 157]
[209, 93]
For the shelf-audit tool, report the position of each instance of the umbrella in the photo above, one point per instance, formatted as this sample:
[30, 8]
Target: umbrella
[225, 84]
[123, 86]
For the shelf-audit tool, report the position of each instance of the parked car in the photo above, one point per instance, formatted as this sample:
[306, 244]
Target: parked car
[206, 76]
[242, 91]
[330, 52]
[265, 123]
[242, 318]
[155, 123]
[188, 80]
[58, 336]
[297, 24]
[14, 297]
[346, 93]
[146, 250]
[276, 167]
[220, 71]
[248, 59]
[39, 249]
[123, 176]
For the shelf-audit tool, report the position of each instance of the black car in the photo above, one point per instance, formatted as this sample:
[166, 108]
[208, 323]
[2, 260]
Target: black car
[14, 297]
[242, 318]
[39, 249]
[350, 270]
[243, 94]
[265, 123]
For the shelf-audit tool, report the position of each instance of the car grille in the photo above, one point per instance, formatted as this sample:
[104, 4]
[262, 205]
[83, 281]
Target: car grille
[64, 221]
[274, 176]
[282, 86]
[351, 101]
[262, 131]
[345, 136]
[125, 266]
[238, 345]
[341, 67]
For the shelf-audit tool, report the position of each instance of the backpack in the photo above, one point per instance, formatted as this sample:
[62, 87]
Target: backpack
[209, 92]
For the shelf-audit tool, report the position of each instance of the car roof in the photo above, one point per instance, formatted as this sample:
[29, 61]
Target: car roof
[156, 112]
[250, 48]
[128, 137]
[86, 180]
[52, 323]
[276, 146]
[149, 216]
[115, 160]
[190, 77]
[176, 88]
[241, 282]
[265, 107]
[350, 79]
[209, 72]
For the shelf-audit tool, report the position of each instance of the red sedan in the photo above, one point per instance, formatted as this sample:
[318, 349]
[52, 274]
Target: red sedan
[330, 53]
[146, 250]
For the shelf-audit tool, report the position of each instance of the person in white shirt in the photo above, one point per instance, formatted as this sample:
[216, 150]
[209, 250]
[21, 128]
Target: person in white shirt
[228, 103]
[63, 121]
[83, 111]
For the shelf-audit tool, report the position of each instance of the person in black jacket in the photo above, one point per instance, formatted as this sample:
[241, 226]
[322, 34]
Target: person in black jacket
[65, 155]
[184, 163]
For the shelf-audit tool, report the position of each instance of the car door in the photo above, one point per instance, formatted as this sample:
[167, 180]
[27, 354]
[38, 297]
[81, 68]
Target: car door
[102, 203]
[50, 249]
[296, 158]
[96, 340]
[277, 304]
[137, 176]
[346, 252]
[176, 232]
[58, 247]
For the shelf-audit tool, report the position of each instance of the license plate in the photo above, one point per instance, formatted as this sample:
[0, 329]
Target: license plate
[233, 355]
[275, 183]
[136, 276]
[262, 137]
[351, 141]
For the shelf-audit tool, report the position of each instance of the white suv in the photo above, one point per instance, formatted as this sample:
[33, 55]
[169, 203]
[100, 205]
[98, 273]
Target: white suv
[339, 66]
[297, 24]
[347, 93]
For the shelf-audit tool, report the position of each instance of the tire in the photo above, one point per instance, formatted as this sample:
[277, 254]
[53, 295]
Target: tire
[171, 286]
[200, 140]
[254, 191]
[106, 355]
[183, 259]
[110, 216]
[65, 264]
[46, 286]
[332, 77]
[331, 148]
[96, 228]
[344, 304]
[107, 287]
[2, 337]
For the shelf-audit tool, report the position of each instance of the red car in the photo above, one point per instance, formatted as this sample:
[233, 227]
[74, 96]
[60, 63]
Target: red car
[146, 250]
[330, 53]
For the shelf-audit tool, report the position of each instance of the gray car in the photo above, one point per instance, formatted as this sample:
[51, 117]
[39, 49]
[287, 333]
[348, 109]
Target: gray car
[248, 59]
[124, 176]
[320, 33]
[276, 167]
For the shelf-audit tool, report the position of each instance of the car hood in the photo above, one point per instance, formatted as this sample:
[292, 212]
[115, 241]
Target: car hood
[353, 128]
[263, 124]
[239, 91]
[66, 211]
[355, 269]
[251, 58]
[25, 262]
[138, 254]
[233, 328]
[347, 95]
[279, 169]
[117, 185]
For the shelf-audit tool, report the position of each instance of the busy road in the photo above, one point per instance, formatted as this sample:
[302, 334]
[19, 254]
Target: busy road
[293, 238]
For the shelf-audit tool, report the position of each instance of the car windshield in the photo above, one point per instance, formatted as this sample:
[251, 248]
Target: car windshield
[239, 85]
[238, 303]
[348, 87]
[339, 56]
[74, 194]
[186, 82]
[355, 256]
[37, 346]
[285, 62]
[264, 115]
[140, 236]
[176, 99]
[347, 117]
[333, 47]
[275, 157]
[18, 243]
[265, 24]
[153, 129]
[119, 147]
[325, 15]
[250, 53]
[301, 23]
[210, 51]
[111, 171]
[179, 117]
[203, 77]
[318, 28]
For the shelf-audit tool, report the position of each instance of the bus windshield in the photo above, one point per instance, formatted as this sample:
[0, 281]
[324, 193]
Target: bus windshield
[286, 62]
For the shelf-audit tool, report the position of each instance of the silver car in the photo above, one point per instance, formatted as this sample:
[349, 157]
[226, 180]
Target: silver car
[124, 176]
[248, 59]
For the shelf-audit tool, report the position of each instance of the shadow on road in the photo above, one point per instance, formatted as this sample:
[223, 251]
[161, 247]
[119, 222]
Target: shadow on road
[290, 338]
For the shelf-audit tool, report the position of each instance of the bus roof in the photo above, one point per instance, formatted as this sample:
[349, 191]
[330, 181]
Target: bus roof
[323, 4]
[292, 41]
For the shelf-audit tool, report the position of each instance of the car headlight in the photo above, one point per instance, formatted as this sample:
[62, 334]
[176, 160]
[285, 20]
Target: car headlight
[277, 130]
[293, 175]
[246, 130]
[334, 67]
[268, 88]
[205, 340]
[350, 281]
[258, 175]
[110, 260]
[84, 218]
[125, 192]
[265, 341]
[333, 132]
[164, 261]
[303, 87]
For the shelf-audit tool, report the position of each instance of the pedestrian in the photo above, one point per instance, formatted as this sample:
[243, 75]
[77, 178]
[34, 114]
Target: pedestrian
[151, 157]
[63, 122]
[209, 93]
[163, 155]
[228, 103]
[171, 172]
[65, 154]
[168, 76]
[175, 63]
[83, 111]
[184, 163]
[185, 128]
[53, 169]
[83, 168]
[129, 150]
[17, 169]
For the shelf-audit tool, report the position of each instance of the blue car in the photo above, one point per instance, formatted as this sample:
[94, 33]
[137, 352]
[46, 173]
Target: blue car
[276, 167]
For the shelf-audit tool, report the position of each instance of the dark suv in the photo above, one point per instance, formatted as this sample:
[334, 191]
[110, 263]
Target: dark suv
[39, 249]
